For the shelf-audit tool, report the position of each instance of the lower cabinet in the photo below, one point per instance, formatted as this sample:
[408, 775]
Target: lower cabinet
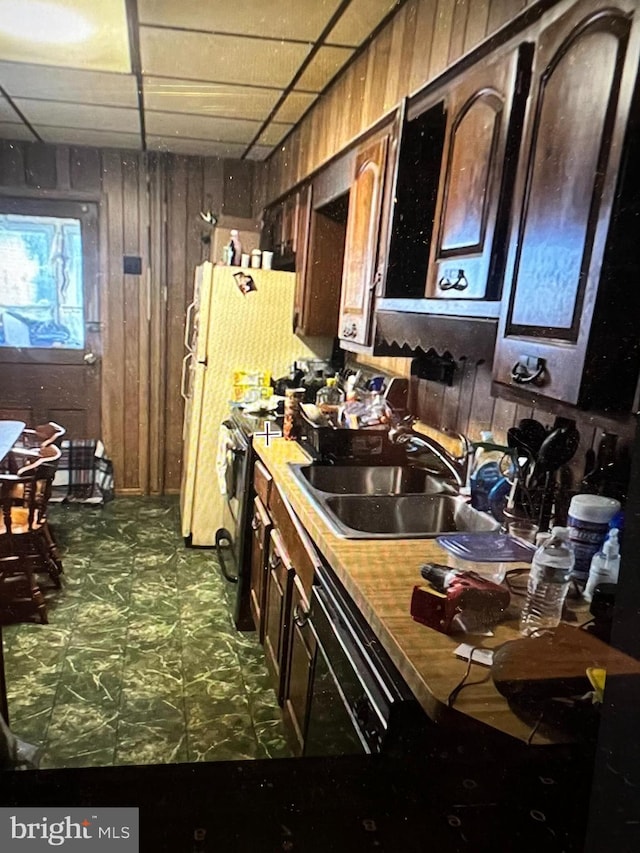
[261, 528]
[300, 659]
[277, 609]
[283, 562]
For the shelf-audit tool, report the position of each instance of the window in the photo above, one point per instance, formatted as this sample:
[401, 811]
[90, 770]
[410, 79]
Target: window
[41, 292]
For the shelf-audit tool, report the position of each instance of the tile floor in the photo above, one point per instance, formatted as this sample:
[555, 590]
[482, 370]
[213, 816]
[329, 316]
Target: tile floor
[141, 662]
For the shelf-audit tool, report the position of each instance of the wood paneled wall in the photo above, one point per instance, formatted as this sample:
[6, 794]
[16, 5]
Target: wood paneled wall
[149, 206]
[468, 407]
[421, 40]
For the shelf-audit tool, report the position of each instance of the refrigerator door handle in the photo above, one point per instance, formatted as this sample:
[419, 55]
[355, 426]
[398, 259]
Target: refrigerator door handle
[187, 326]
[183, 392]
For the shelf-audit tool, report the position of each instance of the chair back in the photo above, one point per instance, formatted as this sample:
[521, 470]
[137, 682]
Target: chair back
[24, 496]
[41, 436]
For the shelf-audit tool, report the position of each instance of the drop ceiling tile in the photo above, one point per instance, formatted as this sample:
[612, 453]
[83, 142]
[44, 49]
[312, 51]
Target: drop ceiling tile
[259, 152]
[58, 114]
[211, 99]
[67, 84]
[294, 106]
[200, 127]
[269, 18]
[224, 59]
[95, 138]
[360, 19]
[195, 147]
[7, 113]
[324, 65]
[104, 48]
[19, 132]
[273, 133]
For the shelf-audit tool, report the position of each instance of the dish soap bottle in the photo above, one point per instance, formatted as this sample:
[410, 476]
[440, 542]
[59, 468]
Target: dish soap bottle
[548, 583]
[605, 565]
[329, 399]
[486, 472]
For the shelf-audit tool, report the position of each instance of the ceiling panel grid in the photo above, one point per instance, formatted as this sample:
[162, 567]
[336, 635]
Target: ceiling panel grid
[228, 78]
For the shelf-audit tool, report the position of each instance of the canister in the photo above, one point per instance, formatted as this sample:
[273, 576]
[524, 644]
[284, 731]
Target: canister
[589, 517]
[291, 428]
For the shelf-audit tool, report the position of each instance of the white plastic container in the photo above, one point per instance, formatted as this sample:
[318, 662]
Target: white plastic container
[589, 517]
[605, 565]
[548, 583]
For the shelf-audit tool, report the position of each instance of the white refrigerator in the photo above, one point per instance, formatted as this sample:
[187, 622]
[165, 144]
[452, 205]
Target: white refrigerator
[229, 330]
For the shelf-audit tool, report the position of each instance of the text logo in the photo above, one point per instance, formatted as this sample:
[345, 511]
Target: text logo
[69, 829]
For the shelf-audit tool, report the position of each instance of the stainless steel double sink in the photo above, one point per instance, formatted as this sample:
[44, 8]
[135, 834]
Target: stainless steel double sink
[387, 501]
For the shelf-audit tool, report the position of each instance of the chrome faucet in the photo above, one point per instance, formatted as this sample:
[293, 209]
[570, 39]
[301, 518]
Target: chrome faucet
[458, 466]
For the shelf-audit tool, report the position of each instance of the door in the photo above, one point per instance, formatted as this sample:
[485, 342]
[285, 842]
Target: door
[302, 647]
[193, 378]
[302, 258]
[582, 86]
[359, 276]
[261, 528]
[478, 111]
[50, 340]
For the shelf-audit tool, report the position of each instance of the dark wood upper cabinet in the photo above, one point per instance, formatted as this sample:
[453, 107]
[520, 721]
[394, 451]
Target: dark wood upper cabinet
[362, 258]
[478, 112]
[302, 256]
[319, 254]
[569, 323]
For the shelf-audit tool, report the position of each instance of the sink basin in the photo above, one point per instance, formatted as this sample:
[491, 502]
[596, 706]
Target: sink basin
[372, 480]
[387, 502]
[403, 516]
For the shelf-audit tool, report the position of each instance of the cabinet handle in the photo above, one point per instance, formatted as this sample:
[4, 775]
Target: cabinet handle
[460, 283]
[274, 561]
[528, 370]
[300, 616]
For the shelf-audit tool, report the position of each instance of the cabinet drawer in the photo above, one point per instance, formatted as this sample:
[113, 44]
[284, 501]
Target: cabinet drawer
[262, 480]
[299, 546]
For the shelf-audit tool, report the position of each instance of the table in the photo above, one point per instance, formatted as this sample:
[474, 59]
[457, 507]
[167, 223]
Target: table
[10, 432]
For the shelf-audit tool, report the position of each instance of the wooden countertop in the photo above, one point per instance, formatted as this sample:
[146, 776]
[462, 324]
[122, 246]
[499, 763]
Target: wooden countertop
[380, 575]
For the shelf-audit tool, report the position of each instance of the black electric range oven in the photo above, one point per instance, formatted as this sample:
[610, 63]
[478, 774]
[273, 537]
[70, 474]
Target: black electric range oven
[233, 538]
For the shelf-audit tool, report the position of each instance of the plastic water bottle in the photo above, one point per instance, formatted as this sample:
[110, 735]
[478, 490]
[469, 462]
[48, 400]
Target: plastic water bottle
[548, 584]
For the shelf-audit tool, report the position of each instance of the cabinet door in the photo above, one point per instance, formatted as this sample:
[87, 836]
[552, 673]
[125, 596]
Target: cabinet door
[361, 258]
[261, 528]
[290, 224]
[581, 92]
[302, 648]
[276, 611]
[478, 114]
[302, 257]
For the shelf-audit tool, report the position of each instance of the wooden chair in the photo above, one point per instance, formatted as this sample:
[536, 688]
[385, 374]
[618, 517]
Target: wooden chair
[42, 436]
[24, 498]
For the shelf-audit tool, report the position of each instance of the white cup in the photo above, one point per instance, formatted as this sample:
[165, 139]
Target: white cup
[267, 258]
[255, 259]
[244, 260]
